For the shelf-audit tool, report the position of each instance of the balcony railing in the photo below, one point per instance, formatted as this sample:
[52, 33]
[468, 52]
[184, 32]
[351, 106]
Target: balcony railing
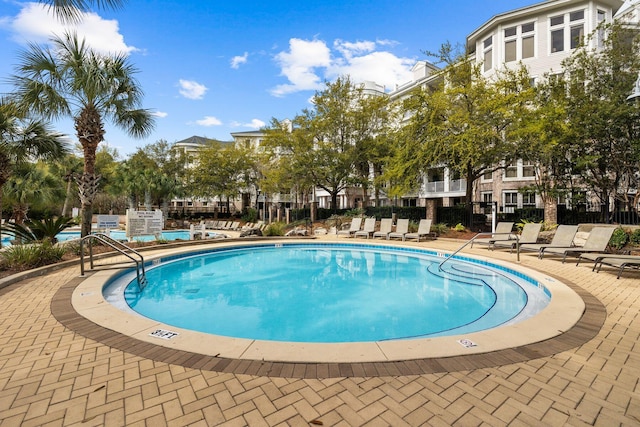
[454, 186]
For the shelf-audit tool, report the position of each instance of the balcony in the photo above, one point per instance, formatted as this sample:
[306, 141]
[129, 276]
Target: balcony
[446, 188]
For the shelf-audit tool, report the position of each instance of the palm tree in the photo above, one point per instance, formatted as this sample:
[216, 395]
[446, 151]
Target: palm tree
[23, 140]
[31, 185]
[68, 167]
[70, 10]
[69, 79]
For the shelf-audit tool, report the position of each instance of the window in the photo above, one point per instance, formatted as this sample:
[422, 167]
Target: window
[510, 53]
[519, 42]
[488, 54]
[511, 171]
[557, 40]
[511, 198]
[528, 169]
[487, 202]
[487, 176]
[575, 28]
[510, 201]
[577, 34]
[557, 33]
[529, 199]
[576, 16]
[528, 40]
[601, 16]
[528, 47]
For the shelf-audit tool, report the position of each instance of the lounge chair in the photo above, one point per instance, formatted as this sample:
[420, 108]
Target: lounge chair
[424, 230]
[368, 229]
[529, 235]
[561, 239]
[619, 261]
[355, 226]
[501, 233]
[386, 225]
[597, 242]
[402, 228]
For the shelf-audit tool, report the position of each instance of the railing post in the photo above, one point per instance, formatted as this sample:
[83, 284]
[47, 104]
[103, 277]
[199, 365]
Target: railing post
[81, 257]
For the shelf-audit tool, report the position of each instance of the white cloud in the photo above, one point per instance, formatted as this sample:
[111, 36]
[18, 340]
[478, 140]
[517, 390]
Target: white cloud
[191, 89]
[349, 49]
[208, 121]
[308, 63]
[299, 65]
[160, 114]
[237, 60]
[36, 23]
[254, 124]
[381, 67]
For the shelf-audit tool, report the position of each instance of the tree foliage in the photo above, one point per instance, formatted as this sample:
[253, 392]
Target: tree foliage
[466, 123]
[69, 79]
[604, 126]
[335, 144]
[225, 171]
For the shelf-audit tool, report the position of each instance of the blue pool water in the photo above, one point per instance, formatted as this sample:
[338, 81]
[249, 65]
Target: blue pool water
[118, 235]
[331, 293]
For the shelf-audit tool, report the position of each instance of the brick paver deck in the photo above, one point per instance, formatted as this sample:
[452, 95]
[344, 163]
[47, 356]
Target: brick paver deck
[52, 374]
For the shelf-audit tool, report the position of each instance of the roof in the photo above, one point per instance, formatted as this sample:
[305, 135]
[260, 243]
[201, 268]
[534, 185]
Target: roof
[250, 133]
[200, 141]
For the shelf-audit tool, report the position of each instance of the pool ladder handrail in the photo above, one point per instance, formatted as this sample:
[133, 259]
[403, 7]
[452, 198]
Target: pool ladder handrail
[118, 246]
[517, 239]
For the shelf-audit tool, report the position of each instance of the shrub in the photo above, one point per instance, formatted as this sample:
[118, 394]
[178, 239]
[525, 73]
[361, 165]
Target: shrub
[32, 256]
[440, 228]
[274, 229]
[354, 212]
[251, 215]
[619, 239]
[634, 237]
[459, 227]
[335, 221]
[520, 225]
[39, 230]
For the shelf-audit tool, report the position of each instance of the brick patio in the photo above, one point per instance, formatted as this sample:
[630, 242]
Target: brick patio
[68, 373]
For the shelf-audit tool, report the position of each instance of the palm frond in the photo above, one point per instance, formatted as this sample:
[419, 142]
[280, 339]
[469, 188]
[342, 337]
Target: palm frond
[70, 11]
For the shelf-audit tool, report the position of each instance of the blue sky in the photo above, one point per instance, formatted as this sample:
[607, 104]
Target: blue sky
[210, 68]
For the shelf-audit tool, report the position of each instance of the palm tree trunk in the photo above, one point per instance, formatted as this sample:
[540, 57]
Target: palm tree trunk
[90, 132]
[87, 189]
[67, 199]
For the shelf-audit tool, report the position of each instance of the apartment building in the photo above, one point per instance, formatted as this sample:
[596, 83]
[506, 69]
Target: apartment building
[540, 37]
[187, 205]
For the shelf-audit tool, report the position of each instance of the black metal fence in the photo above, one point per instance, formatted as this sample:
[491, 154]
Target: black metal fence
[580, 214]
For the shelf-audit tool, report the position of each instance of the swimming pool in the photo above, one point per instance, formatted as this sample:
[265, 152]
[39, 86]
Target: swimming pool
[338, 293]
[121, 235]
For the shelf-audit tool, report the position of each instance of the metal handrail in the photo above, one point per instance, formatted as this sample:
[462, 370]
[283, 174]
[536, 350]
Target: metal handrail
[517, 239]
[117, 246]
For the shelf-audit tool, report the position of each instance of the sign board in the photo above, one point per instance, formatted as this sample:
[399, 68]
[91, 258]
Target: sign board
[164, 334]
[143, 223]
[108, 221]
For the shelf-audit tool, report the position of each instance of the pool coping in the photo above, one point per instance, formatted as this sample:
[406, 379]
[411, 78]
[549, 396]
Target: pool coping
[80, 298]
